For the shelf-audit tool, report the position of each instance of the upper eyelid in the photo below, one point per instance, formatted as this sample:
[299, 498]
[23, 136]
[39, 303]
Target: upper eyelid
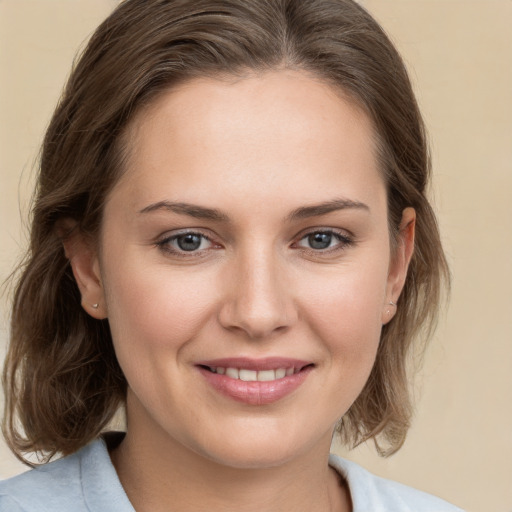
[206, 232]
[336, 231]
[172, 234]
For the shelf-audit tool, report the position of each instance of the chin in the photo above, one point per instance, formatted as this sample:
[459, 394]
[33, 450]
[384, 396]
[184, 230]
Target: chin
[261, 451]
[250, 458]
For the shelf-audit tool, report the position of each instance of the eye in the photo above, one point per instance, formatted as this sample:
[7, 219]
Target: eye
[323, 240]
[190, 242]
[182, 243]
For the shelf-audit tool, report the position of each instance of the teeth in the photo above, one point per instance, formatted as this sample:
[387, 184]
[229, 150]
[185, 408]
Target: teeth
[232, 372]
[266, 375]
[248, 375]
[282, 373]
[253, 375]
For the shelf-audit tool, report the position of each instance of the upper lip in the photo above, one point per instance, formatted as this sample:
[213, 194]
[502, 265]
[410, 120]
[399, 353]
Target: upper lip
[267, 363]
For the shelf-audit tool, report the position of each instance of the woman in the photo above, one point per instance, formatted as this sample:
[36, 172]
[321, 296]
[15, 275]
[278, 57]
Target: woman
[230, 239]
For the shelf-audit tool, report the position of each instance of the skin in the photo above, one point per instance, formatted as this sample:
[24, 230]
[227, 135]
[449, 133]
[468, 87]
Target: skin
[256, 149]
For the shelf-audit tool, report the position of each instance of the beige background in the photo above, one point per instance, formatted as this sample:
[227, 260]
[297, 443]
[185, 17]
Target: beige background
[460, 55]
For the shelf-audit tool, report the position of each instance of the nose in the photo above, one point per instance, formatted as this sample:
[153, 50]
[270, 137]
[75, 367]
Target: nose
[258, 301]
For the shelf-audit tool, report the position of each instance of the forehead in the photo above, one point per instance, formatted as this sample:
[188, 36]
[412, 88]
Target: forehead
[282, 131]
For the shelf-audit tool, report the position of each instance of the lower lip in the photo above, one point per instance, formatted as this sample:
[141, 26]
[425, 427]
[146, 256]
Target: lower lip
[255, 392]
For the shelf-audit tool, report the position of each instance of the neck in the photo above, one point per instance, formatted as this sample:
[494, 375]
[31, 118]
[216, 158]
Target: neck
[157, 472]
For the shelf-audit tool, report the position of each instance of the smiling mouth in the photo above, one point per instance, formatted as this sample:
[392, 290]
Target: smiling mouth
[248, 375]
[255, 381]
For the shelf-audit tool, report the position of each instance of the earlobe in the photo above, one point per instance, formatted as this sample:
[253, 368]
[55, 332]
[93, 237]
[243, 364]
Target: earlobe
[399, 263]
[86, 271]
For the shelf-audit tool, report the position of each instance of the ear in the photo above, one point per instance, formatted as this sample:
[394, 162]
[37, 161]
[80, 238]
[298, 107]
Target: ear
[399, 263]
[85, 265]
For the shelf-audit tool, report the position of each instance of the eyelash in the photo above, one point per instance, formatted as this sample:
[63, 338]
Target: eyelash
[165, 245]
[344, 242]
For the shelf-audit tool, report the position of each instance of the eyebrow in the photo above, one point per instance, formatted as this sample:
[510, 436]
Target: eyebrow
[304, 212]
[192, 210]
[317, 210]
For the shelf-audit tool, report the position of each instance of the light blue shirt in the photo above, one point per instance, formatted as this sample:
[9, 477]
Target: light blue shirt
[87, 482]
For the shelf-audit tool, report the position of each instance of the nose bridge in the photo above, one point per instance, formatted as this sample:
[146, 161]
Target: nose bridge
[259, 303]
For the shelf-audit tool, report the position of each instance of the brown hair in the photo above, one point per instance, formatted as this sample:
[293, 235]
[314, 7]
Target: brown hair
[61, 377]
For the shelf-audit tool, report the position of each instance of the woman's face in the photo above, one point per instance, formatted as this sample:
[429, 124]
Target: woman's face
[245, 266]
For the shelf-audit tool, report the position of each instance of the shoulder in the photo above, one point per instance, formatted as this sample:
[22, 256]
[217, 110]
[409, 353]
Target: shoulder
[80, 482]
[47, 487]
[372, 493]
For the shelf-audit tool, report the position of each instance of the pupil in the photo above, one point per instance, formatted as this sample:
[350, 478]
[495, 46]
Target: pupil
[320, 240]
[189, 242]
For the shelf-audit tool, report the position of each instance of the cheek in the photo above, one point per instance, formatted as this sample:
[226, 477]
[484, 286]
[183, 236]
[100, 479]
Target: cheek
[342, 312]
[344, 309]
[156, 308]
[352, 293]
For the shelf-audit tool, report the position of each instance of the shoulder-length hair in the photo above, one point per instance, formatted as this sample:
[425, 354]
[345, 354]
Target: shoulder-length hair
[62, 381]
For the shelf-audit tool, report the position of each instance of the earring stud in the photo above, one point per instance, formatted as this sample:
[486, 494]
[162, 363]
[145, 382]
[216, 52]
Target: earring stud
[95, 306]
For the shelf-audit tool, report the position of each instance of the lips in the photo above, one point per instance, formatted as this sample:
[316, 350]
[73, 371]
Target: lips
[255, 381]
